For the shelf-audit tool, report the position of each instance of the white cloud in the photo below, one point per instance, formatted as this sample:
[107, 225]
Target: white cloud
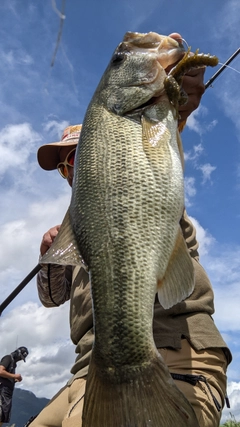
[190, 189]
[207, 170]
[223, 265]
[194, 153]
[20, 252]
[211, 125]
[234, 397]
[204, 238]
[228, 15]
[193, 122]
[227, 314]
[54, 127]
[12, 59]
[197, 123]
[17, 143]
[45, 332]
[227, 20]
[230, 100]
[7, 58]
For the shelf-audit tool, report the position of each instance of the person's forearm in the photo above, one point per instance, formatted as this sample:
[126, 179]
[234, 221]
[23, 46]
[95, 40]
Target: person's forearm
[6, 374]
[189, 234]
[53, 289]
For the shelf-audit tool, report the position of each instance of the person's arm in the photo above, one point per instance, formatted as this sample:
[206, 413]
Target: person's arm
[54, 284]
[5, 374]
[189, 234]
[53, 281]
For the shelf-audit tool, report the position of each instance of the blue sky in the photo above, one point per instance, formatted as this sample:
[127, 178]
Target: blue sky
[38, 100]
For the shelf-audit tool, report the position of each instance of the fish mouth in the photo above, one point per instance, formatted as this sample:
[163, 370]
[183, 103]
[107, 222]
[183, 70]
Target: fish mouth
[167, 51]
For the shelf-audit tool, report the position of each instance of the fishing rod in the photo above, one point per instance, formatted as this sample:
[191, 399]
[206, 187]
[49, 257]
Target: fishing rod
[38, 267]
[19, 288]
[222, 68]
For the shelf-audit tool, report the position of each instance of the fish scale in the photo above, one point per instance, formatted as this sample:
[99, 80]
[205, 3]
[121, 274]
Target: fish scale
[126, 240]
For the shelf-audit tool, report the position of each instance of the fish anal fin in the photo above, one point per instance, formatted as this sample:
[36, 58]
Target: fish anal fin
[155, 132]
[178, 281]
[149, 398]
[64, 250]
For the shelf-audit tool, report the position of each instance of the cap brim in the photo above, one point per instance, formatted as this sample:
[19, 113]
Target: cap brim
[48, 155]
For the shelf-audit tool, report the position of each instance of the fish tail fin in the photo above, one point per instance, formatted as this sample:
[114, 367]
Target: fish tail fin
[148, 398]
[178, 281]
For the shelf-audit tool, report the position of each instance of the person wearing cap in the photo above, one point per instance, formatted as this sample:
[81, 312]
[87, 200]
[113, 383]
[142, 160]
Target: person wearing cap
[8, 378]
[185, 335]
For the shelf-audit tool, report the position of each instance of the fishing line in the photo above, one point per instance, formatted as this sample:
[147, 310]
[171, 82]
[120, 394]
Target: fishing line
[222, 68]
[231, 68]
[62, 17]
[184, 41]
[58, 12]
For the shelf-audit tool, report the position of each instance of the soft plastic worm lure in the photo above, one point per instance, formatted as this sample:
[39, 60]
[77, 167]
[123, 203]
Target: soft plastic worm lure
[173, 80]
[188, 62]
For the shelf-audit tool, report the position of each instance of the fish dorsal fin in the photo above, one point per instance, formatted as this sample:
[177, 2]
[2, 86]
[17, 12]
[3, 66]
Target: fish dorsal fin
[155, 132]
[64, 250]
[178, 281]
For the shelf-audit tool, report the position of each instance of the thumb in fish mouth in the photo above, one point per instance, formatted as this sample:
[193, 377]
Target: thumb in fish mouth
[180, 40]
[177, 37]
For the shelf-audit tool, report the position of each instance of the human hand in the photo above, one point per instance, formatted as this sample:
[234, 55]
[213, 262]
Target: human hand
[193, 85]
[18, 378]
[48, 239]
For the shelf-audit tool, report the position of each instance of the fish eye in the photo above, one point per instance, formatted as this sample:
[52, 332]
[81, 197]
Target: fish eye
[118, 57]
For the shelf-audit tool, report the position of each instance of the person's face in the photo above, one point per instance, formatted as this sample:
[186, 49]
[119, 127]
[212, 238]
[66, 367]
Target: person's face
[17, 356]
[63, 157]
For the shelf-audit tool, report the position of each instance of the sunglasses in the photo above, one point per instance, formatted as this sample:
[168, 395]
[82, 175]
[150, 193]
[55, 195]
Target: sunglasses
[62, 167]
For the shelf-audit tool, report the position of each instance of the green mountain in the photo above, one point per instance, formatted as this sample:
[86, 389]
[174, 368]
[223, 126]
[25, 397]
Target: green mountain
[25, 405]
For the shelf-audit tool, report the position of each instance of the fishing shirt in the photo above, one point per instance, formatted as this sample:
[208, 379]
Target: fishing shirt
[190, 319]
[10, 365]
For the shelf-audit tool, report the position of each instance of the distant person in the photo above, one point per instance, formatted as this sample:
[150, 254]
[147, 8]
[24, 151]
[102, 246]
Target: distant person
[8, 378]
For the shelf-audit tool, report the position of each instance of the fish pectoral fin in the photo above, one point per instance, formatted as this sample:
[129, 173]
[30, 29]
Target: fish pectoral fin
[64, 250]
[178, 281]
[155, 133]
[148, 398]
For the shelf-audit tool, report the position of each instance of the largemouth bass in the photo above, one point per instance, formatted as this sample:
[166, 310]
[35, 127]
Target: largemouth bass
[123, 220]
